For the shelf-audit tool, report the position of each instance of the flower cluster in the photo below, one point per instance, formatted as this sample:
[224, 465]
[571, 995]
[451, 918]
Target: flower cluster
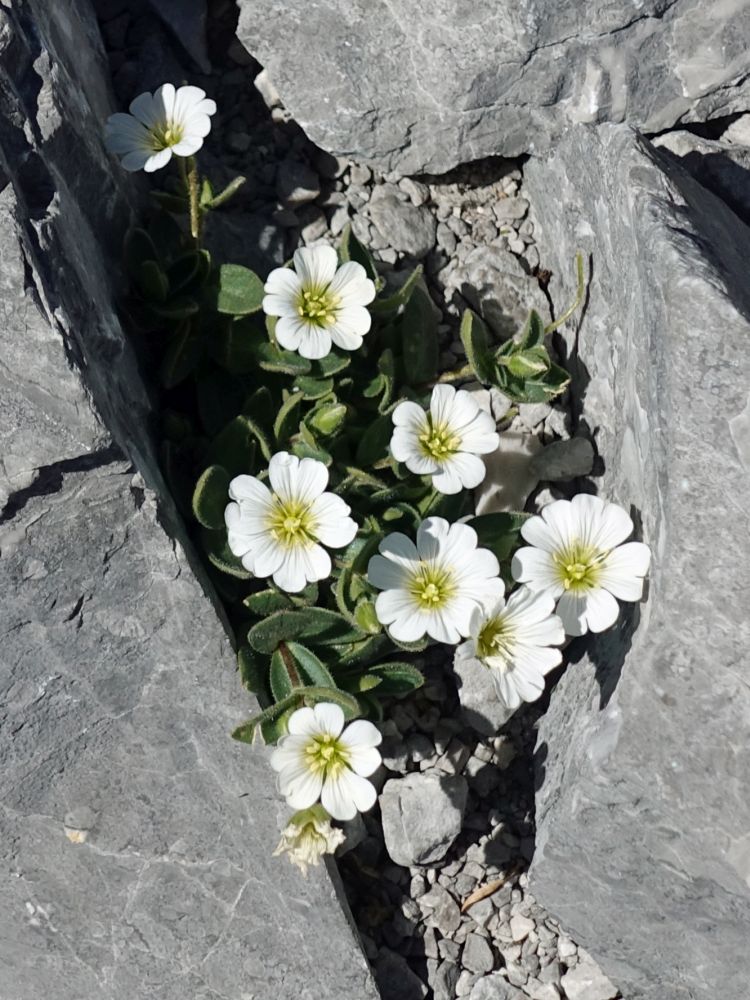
[335, 499]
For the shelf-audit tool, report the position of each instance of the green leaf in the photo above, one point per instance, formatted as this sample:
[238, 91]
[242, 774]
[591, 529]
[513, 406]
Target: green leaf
[348, 704]
[373, 444]
[206, 193]
[221, 556]
[362, 653]
[331, 364]
[287, 419]
[397, 678]
[253, 670]
[234, 446]
[327, 417]
[246, 732]
[500, 532]
[220, 396]
[229, 191]
[528, 364]
[184, 351]
[180, 307]
[171, 202]
[211, 497]
[152, 282]
[237, 345]
[366, 619]
[303, 449]
[310, 666]
[278, 676]
[187, 270]
[272, 359]
[317, 625]
[265, 602]
[359, 683]
[410, 647]
[532, 334]
[476, 343]
[138, 248]
[421, 348]
[313, 388]
[239, 291]
[352, 249]
[399, 299]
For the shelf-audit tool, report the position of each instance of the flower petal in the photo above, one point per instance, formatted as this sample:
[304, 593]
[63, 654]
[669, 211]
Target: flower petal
[571, 609]
[361, 733]
[305, 792]
[535, 568]
[347, 793]
[316, 266]
[333, 526]
[330, 718]
[601, 610]
[623, 571]
[303, 722]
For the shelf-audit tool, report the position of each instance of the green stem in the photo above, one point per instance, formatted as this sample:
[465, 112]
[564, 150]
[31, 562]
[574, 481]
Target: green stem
[454, 375]
[576, 302]
[189, 171]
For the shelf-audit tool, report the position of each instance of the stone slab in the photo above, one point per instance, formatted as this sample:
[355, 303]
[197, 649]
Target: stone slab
[643, 810]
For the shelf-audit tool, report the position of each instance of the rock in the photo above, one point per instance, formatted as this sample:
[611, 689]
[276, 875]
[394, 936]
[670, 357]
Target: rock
[246, 238]
[434, 96]
[444, 981]
[135, 834]
[187, 22]
[296, 183]
[495, 987]
[402, 225]
[495, 285]
[541, 991]
[738, 131]
[520, 927]
[267, 91]
[395, 979]
[721, 166]
[640, 726]
[481, 708]
[587, 981]
[477, 955]
[509, 479]
[441, 911]
[422, 816]
[563, 460]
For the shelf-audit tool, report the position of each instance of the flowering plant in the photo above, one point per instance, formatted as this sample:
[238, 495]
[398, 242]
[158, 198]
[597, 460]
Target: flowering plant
[328, 465]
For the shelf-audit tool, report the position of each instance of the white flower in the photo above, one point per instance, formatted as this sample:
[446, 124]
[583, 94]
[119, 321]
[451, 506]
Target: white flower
[434, 586]
[160, 124]
[279, 533]
[319, 759]
[512, 639]
[575, 555]
[308, 836]
[318, 302]
[445, 442]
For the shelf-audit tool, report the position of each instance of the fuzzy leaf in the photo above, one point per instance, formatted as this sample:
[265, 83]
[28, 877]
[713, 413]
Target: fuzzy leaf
[138, 247]
[331, 364]
[253, 670]
[373, 444]
[352, 249]
[234, 446]
[532, 334]
[211, 497]
[246, 732]
[476, 343]
[348, 704]
[265, 602]
[184, 351]
[310, 666]
[313, 388]
[287, 419]
[239, 291]
[421, 348]
[218, 551]
[273, 359]
[397, 678]
[317, 625]
[399, 299]
[278, 676]
[499, 532]
[188, 270]
[236, 345]
[528, 364]
[152, 282]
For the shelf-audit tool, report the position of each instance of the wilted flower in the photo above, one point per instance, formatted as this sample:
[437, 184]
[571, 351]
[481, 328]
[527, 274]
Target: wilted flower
[515, 641]
[281, 532]
[319, 303]
[446, 441]
[168, 121]
[575, 554]
[308, 836]
[434, 586]
[319, 759]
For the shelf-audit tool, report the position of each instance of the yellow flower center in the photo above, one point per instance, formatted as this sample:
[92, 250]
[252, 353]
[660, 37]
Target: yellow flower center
[166, 134]
[438, 441]
[496, 639]
[579, 566]
[432, 587]
[318, 306]
[291, 523]
[326, 754]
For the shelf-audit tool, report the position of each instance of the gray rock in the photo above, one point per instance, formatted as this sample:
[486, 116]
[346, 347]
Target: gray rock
[442, 912]
[444, 981]
[643, 743]
[721, 166]
[564, 460]
[246, 238]
[495, 285]
[296, 183]
[481, 708]
[477, 955]
[422, 816]
[188, 24]
[586, 981]
[135, 834]
[495, 987]
[509, 479]
[434, 96]
[395, 979]
[403, 225]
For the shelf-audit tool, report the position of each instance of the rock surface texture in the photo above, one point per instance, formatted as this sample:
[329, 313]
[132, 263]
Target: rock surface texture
[422, 90]
[135, 836]
[643, 849]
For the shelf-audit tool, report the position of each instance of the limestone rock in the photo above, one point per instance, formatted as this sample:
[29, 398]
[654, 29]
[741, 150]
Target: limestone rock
[457, 82]
[563, 460]
[645, 798]
[187, 19]
[481, 707]
[403, 225]
[586, 981]
[136, 836]
[395, 979]
[422, 816]
[495, 987]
